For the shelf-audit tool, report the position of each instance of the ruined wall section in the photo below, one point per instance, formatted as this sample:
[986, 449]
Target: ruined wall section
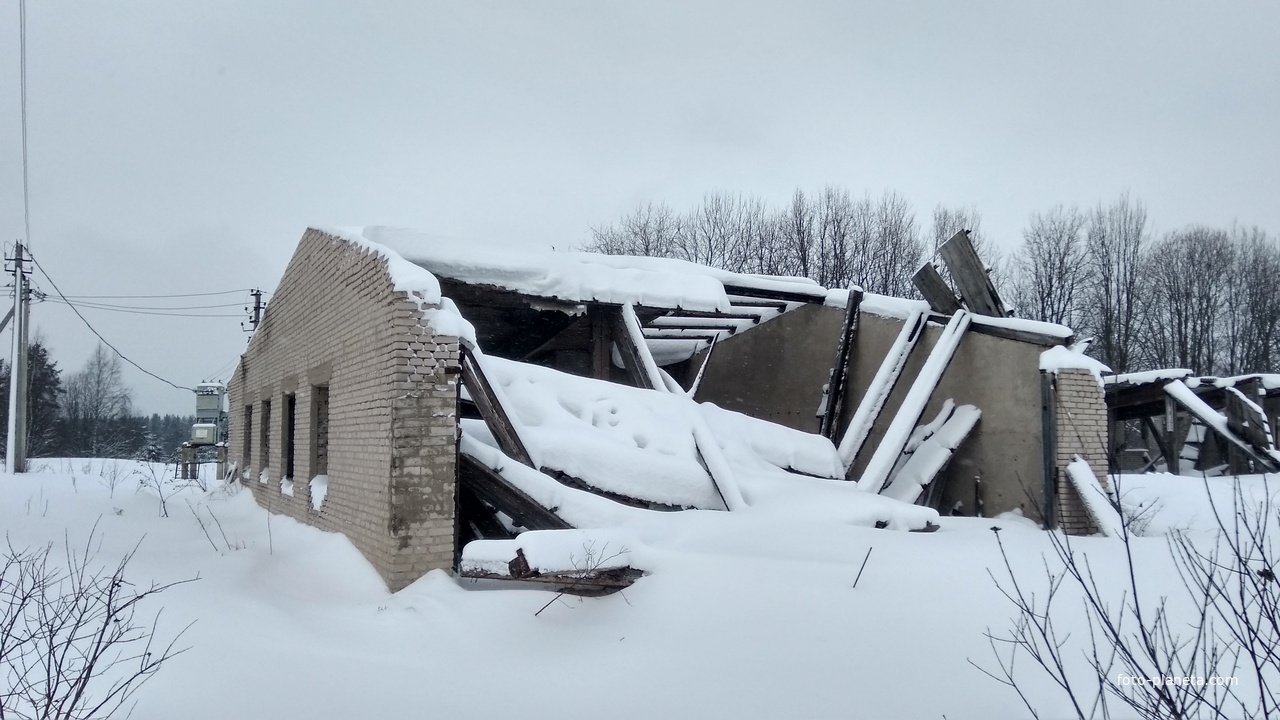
[1081, 429]
[336, 324]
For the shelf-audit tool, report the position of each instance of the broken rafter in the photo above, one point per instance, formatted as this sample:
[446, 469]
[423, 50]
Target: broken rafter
[489, 486]
[489, 403]
[913, 405]
[873, 400]
[786, 296]
[636, 358]
[970, 275]
[935, 290]
[1218, 422]
[833, 401]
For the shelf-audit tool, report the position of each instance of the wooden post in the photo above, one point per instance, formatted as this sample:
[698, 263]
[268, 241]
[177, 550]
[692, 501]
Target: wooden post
[1172, 447]
[1048, 450]
[601, 342]
[840, 370]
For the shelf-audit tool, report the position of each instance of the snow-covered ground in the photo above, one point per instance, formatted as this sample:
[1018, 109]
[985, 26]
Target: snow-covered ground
[743, 615]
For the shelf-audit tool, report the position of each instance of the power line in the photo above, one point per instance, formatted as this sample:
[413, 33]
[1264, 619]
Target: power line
[148, 297]
[114, 306]
[161, 312]
[98, 334]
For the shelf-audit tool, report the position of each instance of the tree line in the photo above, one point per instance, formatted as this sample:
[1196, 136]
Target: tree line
[1198, 297]
[89, 413]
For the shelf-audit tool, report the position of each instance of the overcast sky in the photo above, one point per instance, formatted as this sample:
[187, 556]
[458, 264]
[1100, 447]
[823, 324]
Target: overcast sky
[183, 147]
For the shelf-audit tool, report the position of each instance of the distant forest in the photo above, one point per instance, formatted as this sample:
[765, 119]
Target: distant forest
[89, 413]
[1198, 297]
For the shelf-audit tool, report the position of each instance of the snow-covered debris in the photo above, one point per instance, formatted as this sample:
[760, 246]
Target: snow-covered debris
[647, 366]
[552, 552]
[1062, 332]
[873, 400]
[1148, 376]
[579, 276]
[1061, 357]
[892, 307]
[1095, 498]
[933, 452]
[904, 422]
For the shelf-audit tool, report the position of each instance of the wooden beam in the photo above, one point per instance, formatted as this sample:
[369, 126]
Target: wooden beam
[495, 416]
[840, 368]
[1026, 336]
[753, 317]
[632, 359]
[1172, 460]
[726, 326]
[1048, 450]
[935, 290]
[970, 275]
[753, 303]
[601, 342]
[1246, 421]
[489, 486]
[701, 337]
[770, 294]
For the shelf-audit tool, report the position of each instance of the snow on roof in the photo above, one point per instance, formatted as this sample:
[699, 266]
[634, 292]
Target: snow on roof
[1061, 357]
[574, 276]
[640, 444]
[1034, 326]
[1148, 376]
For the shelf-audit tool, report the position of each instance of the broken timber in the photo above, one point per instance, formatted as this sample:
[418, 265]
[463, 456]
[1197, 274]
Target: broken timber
[834, 394]
[636, 358]
[489, 486]
[490, 406]
[915, 479]
[1219, 424]
[886, 378]
[913, 405]
[971, 276]
[935, 290]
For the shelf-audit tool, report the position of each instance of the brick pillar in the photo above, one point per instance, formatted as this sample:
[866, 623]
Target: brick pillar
[1081, 417]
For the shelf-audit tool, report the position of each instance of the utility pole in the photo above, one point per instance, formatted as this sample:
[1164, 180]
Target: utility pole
[16, 447]
[258, 307]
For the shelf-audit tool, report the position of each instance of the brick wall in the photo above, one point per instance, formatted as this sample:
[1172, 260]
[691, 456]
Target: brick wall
[337, 321]
[1081, 415]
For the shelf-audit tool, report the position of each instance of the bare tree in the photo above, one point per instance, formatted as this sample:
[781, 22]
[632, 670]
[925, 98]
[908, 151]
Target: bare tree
[896, 246]
[652, 231]
[1252, 322]
[1051, 268]
[1189, 274]
[1116, 239]
[73, 642]
[96, 408]
[948, 221]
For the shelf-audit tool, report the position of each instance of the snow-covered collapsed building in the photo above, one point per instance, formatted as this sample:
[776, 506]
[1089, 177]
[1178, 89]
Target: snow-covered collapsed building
[415, 396]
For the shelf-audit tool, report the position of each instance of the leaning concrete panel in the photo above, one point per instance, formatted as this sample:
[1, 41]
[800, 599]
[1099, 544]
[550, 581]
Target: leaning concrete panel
[775, 371]
[999, 376]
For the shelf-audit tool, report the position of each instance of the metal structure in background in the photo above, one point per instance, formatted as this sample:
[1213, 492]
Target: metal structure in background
[209, 430]
[16, 446]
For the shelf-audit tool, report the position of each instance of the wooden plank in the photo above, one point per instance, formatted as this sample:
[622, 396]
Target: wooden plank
[970, 275]
[1245, 420]
[632, 357]
[715, 314]
[725, 326]
[840, 369]
[1048, 450]
[739, 303]
[1172, 460]
[1211, 418]
[701, 337]
[601, 342]
[489, 486]
[935, 290]
[1026, 336]
[908, 416]
[782, 295]
[612, 579]
[495, 416]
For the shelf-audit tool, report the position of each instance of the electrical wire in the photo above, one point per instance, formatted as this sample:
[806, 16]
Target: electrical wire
[113, 306]
[161, 312]
[148, 297]
[98, 334]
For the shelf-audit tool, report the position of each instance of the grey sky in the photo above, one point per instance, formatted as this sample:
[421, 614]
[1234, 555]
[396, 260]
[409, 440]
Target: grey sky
[184, 146]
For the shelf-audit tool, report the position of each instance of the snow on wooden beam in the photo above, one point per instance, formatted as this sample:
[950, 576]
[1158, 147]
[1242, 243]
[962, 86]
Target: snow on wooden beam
[873, 400]
[833, 395]
[596, 559]
[488, 400]
[713, 458]
[895, 438]
[636, 358]
[935, 290]
[1217, 422]
[970, 275]
[931, 447]
[1095, 499]
[489, 486]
